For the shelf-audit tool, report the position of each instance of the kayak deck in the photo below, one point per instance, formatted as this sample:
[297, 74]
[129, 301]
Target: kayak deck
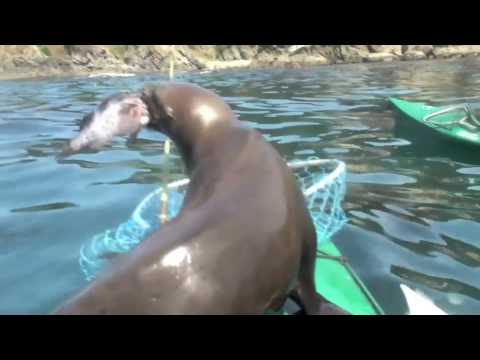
[338, 283]
[447, 121]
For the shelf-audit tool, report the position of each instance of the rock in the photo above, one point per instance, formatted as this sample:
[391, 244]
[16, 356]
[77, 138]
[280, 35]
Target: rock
[186, 57]
[353, 53]
[248, 51]
[375, 48]
[273, 60]
[29, 60]
[393, 49]
[414, 55]
[456, 51]
[148, 57]
[92, 56]
[426, 49]
[266, 56]
[326, 51]
[138, 52]
[193, 56]
[80, 60]
[204, 51]
[381, 56]
[13, 56]
[308, 59]
[135, 56]
[294, 61]
[298, 54]
[310, 54]
[128, 60]
[271, 57]
[295, 49]
[397, 50]
[20, 61]
[26, 51]
[185, 60]
[236, 52]
[56, 51]
[230, 53]
[218, 65]
[101, 51]
[199, 64]
[61, 63]
[282, 59]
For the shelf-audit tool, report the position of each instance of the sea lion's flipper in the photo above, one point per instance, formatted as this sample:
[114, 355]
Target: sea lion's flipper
[305, 293]
[323, 306]
[327, 308]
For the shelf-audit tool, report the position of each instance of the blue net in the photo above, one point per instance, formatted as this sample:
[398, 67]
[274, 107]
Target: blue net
[322, 182]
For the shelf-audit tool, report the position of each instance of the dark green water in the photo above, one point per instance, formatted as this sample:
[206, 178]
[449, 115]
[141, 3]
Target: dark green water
[413, 204]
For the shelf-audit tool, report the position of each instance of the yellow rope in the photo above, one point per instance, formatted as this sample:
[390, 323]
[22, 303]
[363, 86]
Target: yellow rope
[166, 149]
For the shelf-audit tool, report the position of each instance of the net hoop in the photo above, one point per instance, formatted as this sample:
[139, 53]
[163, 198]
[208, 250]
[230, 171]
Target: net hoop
[323, 182]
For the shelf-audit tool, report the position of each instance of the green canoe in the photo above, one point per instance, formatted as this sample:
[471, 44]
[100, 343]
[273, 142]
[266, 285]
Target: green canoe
[452, 122]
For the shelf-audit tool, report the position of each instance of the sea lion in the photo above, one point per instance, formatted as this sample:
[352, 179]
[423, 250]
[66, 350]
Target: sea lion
[242, 242]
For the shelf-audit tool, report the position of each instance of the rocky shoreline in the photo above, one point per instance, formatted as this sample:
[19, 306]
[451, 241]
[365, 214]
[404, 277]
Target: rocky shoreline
[33, 61]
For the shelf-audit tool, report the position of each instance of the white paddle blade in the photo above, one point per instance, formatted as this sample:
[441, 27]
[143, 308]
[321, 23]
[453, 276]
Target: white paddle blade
[419, 304]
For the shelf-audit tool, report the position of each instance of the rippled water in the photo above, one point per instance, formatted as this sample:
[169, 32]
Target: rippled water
[413, 204]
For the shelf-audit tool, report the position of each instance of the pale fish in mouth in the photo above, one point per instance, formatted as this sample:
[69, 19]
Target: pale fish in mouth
[118, 115]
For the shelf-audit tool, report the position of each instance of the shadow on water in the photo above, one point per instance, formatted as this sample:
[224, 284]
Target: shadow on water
[466, 254]
[446, 285]
[47, 207]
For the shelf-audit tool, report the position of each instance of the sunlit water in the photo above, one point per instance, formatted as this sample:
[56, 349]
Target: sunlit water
[413, 204]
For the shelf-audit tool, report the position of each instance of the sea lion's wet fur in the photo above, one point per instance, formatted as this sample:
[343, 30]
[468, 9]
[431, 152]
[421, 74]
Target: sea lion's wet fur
[244, 239]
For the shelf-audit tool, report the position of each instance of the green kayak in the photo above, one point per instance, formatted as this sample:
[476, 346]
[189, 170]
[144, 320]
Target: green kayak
[338, 283]
[452, 122]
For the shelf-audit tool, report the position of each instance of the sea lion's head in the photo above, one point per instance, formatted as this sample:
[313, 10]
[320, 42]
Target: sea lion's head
[185, 111]
[191, 116]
